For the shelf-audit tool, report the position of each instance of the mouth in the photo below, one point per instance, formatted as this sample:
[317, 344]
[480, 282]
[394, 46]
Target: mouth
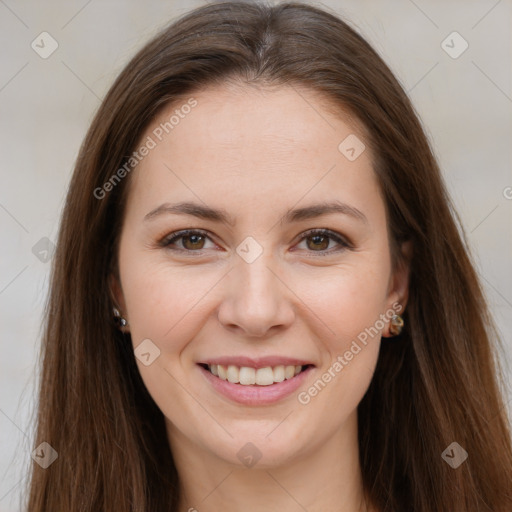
[249, 376]
[249, 385]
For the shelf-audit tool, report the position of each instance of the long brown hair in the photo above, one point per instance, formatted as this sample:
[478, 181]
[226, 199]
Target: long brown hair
[435, 384]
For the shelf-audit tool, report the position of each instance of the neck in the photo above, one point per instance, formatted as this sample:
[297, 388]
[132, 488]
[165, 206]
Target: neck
[323, 477]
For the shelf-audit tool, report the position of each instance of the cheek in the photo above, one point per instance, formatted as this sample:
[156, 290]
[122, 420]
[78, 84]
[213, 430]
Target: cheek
[347, 299]
[166, 306]
[349, 304]
[338, 389]
[160, 295]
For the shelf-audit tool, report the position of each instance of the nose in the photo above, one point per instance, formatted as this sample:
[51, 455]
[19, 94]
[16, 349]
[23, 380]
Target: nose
[256, 299]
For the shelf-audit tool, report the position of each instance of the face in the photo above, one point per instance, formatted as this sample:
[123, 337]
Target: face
[284, 293]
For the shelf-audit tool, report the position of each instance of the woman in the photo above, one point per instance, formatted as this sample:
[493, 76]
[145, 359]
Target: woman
[260, 298]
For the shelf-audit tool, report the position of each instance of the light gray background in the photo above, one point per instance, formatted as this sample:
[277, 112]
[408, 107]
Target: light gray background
[46, 106]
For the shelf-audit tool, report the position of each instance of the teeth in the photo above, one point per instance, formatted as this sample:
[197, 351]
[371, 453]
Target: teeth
[232, 374]
[222, 372]
[248, 376]
[289, 372]
[264, 376]
[279, 373]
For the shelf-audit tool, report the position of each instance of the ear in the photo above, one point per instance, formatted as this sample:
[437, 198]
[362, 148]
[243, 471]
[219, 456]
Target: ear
[117, 298]
[399, 282]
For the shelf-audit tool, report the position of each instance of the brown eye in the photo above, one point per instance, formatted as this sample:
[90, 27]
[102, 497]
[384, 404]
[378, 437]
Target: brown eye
[318, 242]
[188, 240]
[192, 242]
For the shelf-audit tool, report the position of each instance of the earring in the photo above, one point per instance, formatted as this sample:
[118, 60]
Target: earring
[396, 325]
[119, 319]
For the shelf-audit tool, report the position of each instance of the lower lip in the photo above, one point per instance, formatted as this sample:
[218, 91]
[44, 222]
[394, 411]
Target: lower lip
[253, 394]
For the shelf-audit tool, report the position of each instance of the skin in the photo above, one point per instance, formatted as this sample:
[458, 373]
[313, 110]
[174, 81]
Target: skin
[256, 153]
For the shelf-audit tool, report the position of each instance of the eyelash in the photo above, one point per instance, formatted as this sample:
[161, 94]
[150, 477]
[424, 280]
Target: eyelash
[169, 240]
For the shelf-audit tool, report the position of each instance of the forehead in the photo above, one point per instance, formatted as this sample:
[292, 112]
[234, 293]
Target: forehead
[232, 142]
[243, 120]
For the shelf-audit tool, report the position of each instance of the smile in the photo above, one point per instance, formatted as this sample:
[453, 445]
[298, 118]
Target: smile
[247, 376]
[249, 385]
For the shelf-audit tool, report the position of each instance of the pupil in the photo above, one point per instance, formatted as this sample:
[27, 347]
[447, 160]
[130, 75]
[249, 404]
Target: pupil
[316, 240]
[194, 239]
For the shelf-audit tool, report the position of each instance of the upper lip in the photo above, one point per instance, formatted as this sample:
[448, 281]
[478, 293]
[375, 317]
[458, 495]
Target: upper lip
[259, 362]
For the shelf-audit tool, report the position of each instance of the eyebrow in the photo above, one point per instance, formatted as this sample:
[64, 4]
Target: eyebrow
[220, 215]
